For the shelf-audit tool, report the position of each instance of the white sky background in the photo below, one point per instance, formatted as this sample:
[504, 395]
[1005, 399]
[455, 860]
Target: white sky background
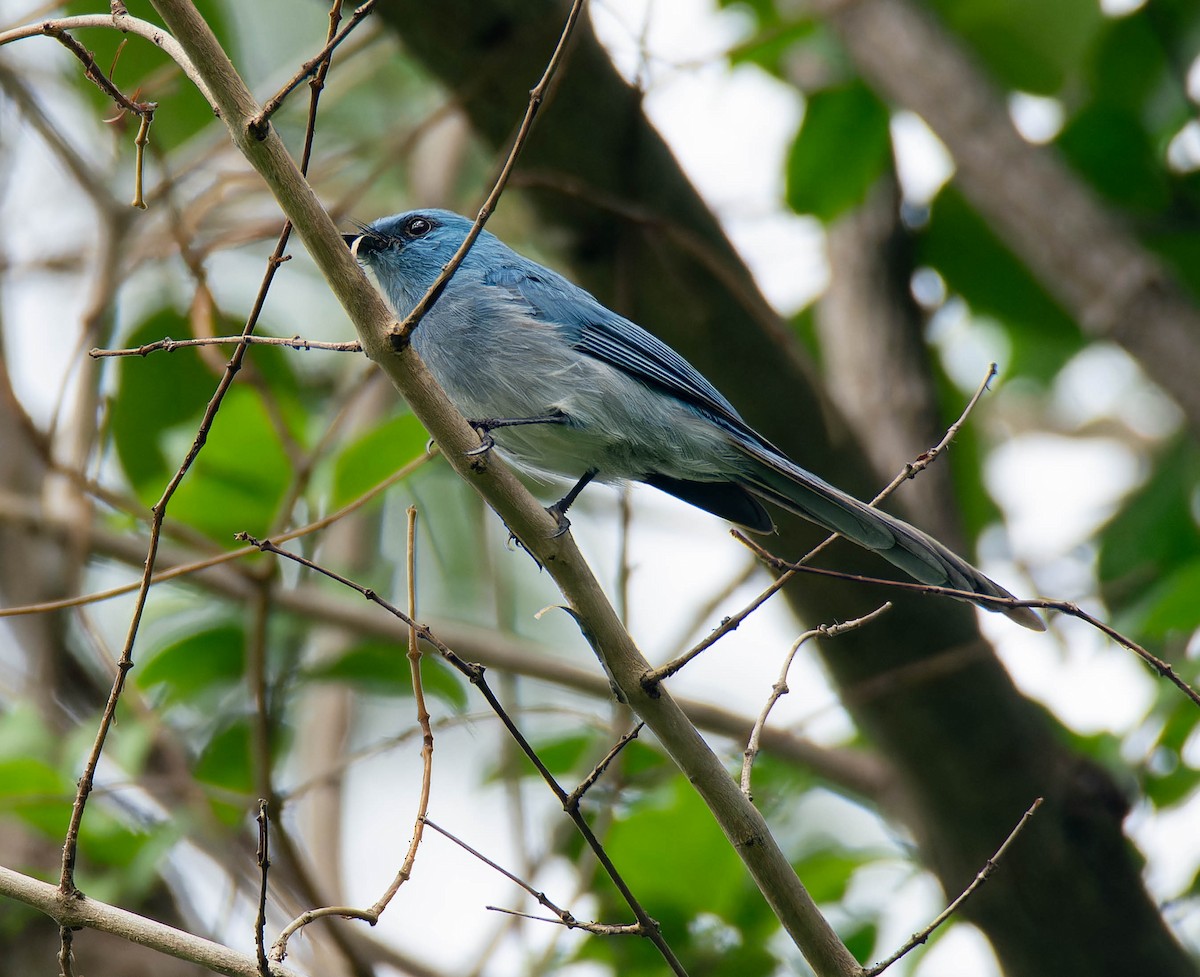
[730, 130]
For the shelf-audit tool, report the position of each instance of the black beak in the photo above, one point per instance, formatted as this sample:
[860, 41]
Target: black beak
[350, 239]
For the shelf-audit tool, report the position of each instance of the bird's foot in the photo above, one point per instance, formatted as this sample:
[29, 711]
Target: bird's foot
[486, 441]
[559, 512]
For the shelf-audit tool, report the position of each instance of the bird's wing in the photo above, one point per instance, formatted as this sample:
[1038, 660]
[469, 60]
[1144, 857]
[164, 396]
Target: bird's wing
[600, 332]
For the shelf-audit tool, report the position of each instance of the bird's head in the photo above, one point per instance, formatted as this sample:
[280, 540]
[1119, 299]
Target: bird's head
[407, 251]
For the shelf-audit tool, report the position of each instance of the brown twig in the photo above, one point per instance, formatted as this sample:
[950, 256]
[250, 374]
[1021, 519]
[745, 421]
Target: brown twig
[372, 914]
[119, 20]
[264, 863]
[196, 566]
[475, 674]
[125, 662]
[731, 623]
[139, 144]
[319, 61]
[93, 73]
[400, 334]
[414, 662]
[989, 867]
[1070, 608]
[598, 770]
[564, 916]
[66, 955]
[780, 688]
[169, 345]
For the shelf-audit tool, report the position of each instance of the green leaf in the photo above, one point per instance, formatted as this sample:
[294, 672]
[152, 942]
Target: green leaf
[770, 48]
[977, 266]
[381, 668]
[1155, 532]
[842, 148]
[860, 940]
[1109, 146]
[225, 761]
[670, 849]
[23, 733]
[1171, 605]
[237, 482]
[375, 456]
[36, 793]
[154, 395]
[1027, 45]
[826, 873]
[195, 663]
[1128, 64]
[142, 71]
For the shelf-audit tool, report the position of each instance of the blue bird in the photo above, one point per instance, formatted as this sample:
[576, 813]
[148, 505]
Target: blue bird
[564, 386]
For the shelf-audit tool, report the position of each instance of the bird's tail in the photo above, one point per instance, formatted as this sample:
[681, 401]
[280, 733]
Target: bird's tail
[774, 478]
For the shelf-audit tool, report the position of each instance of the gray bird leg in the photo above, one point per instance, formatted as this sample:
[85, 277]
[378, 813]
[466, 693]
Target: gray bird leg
[484, 426]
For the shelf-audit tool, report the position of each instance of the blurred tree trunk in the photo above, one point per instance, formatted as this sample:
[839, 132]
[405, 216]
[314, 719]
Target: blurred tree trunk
[972, 753]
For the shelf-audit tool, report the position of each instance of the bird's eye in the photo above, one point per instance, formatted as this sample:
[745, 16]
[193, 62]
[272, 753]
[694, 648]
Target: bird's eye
[417, 226]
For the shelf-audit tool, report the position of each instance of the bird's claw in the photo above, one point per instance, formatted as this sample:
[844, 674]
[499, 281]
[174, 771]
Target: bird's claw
[486, 444]
[560, 517]
[486, 441]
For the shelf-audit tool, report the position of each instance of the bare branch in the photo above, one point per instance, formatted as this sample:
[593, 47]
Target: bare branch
[598, 771]
[272, 105]
[780, 688]
[169, 345]
[918, 938]
[77, 911]
[475, 674]
[126, 24]
[1070, 608]
[752, 839]
[264, 863]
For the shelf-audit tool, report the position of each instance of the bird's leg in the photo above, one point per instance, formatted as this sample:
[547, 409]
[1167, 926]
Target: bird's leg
[559, 509]
[484, 427]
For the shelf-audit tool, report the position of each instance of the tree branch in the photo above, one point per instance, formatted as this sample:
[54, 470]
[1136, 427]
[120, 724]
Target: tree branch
[742, 824]
[73, 912]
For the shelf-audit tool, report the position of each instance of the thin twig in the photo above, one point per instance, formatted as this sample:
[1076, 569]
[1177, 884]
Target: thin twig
[93, 73]
[169, 345]
[733, 622]
[372, 915]
[600, 929]
[197, 565]
[1070, 608]
[475, 674]
[989, 867]
[272, 105]
[400, 333]
[780, 688]
[122, 21]
[414, 662]
[264, 864]
[564, 916]
[66, 955]
[125, 662]
[598, 770]
[143, 137]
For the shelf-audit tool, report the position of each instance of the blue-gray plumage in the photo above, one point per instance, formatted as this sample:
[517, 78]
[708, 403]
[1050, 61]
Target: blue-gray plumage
[567, 387]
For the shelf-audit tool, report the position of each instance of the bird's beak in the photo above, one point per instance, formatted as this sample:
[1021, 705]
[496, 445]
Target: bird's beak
[352, 242]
